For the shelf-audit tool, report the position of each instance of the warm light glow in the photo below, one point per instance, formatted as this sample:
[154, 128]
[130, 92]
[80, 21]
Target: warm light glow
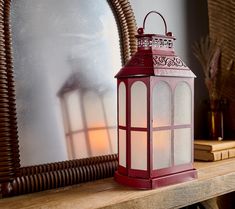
[90, 123]
[99, 143]
[94, 109]
[161, 149]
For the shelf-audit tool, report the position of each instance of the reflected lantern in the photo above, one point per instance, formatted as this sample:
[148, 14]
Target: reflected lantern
[155, 115]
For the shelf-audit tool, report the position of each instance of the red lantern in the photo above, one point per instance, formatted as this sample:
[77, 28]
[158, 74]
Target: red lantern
[155, 115]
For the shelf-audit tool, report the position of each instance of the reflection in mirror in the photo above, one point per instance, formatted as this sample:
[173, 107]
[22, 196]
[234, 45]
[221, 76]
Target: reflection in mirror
[65, 56]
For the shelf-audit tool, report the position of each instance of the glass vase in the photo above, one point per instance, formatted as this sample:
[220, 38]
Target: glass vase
[216, 119]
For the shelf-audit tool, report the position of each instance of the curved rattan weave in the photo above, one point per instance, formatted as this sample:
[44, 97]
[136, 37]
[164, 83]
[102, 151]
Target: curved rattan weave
[127, 27]
[7, 161]
[43, 168]
[15, 180]
[11, 86]
[55, 175]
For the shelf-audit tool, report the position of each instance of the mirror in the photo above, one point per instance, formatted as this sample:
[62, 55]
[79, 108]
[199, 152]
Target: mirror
[65, 58]
[76, 75]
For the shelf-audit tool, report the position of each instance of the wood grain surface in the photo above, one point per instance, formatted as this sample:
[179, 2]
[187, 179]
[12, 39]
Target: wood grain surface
[214, 179]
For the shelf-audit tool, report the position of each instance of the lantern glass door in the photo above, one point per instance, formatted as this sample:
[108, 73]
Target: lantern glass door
[138, 125]
[162, 119]
[182, 122]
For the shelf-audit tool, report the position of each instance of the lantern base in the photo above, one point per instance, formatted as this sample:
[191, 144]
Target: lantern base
[155, 182]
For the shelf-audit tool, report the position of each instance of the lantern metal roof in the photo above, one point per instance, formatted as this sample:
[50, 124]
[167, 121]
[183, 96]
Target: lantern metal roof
[155, 57]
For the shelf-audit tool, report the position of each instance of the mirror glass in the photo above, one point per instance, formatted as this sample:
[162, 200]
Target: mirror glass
[66, 54]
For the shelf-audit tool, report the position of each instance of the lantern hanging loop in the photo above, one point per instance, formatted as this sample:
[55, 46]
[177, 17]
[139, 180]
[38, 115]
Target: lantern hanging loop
[141, 30]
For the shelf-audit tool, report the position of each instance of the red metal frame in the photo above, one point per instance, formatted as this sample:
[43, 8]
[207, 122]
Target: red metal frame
[151, 183]
[152, 178]
[154, 61]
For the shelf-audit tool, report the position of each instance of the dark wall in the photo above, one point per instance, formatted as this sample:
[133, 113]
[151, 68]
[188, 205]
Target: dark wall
[197, 26]
[222, 27]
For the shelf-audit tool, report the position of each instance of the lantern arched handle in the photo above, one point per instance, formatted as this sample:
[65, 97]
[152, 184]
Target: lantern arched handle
[141, 30]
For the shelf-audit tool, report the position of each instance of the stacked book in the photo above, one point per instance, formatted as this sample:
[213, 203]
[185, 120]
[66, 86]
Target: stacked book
[212, 150]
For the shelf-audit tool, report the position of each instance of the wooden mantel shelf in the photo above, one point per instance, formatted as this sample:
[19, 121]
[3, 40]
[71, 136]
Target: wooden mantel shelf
[214, 179]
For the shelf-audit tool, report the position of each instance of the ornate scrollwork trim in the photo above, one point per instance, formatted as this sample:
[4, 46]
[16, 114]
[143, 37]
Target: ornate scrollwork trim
[168, 62]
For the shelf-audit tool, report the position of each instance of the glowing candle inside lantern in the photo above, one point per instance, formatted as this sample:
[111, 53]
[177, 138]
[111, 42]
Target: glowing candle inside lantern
[161, 149]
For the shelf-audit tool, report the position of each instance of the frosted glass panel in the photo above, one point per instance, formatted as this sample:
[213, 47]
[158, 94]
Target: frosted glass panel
[138, 105]
[161, 149]
[122, 147]
[161, 104]
[182, 146]
[139, 150]
[183, 104]
[122, 104]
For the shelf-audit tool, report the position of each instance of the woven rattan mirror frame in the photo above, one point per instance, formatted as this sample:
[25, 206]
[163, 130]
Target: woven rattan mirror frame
[16, 180]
